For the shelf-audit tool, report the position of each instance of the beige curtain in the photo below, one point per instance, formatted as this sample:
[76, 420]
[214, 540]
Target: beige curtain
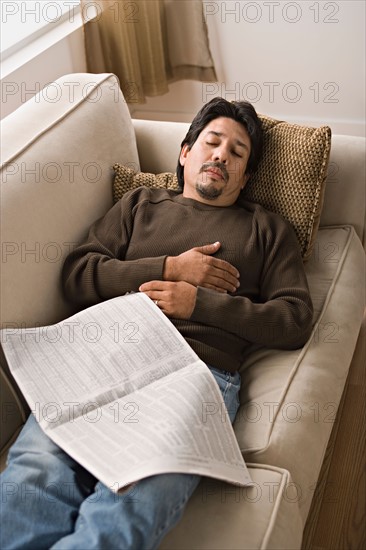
[147, 43]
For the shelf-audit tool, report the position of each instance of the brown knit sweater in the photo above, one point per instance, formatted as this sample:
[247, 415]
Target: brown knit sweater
[128, 247]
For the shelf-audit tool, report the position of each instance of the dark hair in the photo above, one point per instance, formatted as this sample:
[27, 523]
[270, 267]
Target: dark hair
[240, 111]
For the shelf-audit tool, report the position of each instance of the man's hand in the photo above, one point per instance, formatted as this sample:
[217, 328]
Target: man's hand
[197, 267]
[175, 299]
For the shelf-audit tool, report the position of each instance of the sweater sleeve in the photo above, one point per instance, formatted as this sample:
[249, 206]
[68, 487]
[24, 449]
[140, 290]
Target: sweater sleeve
[282, 316]
[96, 270]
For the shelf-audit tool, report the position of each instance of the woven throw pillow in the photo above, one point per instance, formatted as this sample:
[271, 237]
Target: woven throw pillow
[290, 179]
[126, 178]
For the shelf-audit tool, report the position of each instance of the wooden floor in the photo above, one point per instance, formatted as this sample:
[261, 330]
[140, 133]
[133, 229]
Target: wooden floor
[337, 519]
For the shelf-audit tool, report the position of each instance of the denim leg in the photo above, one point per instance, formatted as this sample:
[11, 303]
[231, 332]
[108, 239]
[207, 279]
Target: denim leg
[140, 518]
[229, 384]
[51, 500]
[42, 489]
[135, 520]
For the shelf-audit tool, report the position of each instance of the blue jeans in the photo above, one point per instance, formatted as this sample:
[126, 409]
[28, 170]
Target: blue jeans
[49, 500]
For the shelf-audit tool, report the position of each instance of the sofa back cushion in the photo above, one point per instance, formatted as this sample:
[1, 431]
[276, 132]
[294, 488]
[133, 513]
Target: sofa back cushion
[345, 191]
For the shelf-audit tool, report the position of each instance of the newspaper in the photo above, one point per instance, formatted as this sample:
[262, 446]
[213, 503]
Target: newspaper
[118, 388]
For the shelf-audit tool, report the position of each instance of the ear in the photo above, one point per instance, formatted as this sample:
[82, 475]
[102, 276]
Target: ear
[245, 180]
[183, 154]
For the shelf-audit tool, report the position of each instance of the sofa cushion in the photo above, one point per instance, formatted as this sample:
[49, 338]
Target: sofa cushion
[56, 181]
[264, 515]
[290, 398]
[126, 178]
[290, 179]
[345, 191]
[220, 515]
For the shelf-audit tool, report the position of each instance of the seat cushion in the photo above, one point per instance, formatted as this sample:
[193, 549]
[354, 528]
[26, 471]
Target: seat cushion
[290, 398]
[220, 515]
[264, 515]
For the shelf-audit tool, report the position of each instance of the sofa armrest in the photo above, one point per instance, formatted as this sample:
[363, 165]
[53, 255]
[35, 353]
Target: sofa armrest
[56, 173]
[57, 151]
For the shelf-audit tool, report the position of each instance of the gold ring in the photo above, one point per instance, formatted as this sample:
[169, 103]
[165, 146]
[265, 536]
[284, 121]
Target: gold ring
[156, 302]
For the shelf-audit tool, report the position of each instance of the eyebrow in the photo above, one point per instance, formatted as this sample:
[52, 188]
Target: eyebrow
[237, 141]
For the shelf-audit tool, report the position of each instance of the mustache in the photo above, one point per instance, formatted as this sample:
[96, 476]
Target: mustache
[218, 166]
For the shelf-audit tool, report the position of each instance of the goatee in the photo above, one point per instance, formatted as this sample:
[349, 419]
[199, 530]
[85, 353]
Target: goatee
[209, 192]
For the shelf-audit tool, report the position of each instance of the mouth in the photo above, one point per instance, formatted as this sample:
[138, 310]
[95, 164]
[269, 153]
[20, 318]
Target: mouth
[215, 171]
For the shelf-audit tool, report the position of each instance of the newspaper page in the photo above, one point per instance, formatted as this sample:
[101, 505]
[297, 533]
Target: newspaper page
[118, 388]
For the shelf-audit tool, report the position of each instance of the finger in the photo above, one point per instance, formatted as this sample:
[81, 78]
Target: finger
[227, 281]
[220, 284]
[219, 277]
[153, 286]
[209, 248]
[222, 264]
[224, 279]
[216, 262]
[155, 296]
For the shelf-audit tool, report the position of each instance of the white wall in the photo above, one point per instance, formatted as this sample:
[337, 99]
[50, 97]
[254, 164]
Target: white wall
[63, 57]
[302, 61]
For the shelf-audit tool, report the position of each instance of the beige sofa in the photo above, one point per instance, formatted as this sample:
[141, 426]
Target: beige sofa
[57, 153]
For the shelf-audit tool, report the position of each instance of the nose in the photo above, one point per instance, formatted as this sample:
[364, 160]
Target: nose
[220, 154]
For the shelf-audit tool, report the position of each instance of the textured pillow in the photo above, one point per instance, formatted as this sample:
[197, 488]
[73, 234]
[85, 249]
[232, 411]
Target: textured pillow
[125, 179]
[290, 179]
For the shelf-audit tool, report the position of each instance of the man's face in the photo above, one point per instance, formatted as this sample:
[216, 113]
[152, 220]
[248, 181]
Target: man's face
[214, 168]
